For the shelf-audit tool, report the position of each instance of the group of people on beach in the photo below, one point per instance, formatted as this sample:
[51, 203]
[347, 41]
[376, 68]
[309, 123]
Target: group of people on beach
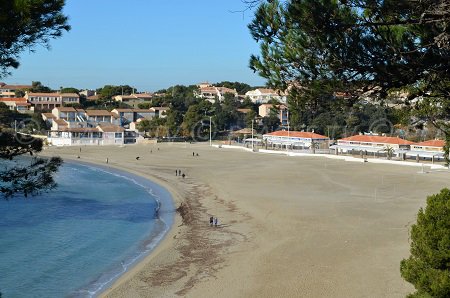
[178, 173]
[195, 154]
[213, 221]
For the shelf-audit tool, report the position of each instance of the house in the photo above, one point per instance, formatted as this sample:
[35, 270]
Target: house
[160, 112]
[264, 95]
[99, 135]
[281, 110]
[128, 116]
[99, 116]
[49, 118]
[20, 104]
[211, 93]
[49, 101]
[134, 96]
[296, 139]
[10, 90]
[144, 113]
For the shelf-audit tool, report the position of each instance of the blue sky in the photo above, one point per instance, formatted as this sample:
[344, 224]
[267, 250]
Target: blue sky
[148, 44]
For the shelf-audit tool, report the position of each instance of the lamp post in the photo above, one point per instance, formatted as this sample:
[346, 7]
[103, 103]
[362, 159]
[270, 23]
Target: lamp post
[287, 148]
[210, 132]
[252, 133]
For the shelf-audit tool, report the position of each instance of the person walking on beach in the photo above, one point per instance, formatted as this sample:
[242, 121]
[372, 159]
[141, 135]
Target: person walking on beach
[183, 175]
[216, 220]
[107, 160]
[211, 221]
[193, 153]
[176, 172]
[179, 172]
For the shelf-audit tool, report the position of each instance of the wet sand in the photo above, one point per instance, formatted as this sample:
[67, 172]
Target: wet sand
[289, 226]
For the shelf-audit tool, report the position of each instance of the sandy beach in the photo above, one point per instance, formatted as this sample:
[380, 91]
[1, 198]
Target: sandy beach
[289, 226]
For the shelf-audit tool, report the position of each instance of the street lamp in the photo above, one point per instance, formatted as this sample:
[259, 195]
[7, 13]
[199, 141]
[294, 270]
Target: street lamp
[287, 147]
[252, 134]
[210, 132]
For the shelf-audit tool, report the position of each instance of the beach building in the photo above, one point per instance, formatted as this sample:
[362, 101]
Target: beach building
[99, 135]
[20, 104]
[372, 144]
[72, 126]
[431, 149]
[7, 90]
[264, 95]
[297, 139]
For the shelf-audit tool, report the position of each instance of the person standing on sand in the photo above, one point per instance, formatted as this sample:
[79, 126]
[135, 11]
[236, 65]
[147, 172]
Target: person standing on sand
[176, 172]
[211, 221]
[193, 153]
[183, 175]
[216, 221]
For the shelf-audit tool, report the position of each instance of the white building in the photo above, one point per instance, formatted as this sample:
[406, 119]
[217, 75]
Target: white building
[72, 126]
[10, 90]
[49, 101]
[264, 95]
[20, 105]
[211, 93]
[299, 139]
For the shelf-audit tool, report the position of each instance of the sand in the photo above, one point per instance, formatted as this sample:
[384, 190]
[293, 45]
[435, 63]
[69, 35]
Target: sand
[289, 226]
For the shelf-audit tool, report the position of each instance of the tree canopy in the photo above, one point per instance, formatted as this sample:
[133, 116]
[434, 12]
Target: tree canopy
[25, 24]
[428, 267]
[314, 48]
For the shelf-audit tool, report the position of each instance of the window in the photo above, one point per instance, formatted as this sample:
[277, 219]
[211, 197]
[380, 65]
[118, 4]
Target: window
[118, 135]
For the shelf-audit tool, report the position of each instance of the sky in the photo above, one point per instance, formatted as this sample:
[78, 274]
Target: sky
[147, 44]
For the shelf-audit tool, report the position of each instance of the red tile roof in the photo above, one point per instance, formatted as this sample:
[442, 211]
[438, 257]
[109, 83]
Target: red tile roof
[16, 99]
[66, 109]
[98, 113]
[432, 143]
[110, 128]
[297, 134]
[377, 139]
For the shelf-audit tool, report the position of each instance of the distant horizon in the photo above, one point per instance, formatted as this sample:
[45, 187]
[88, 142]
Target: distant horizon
[149, 46]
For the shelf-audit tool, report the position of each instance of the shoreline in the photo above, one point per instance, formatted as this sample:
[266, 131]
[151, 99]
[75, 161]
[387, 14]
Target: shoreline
[134, 266]
[288, 226]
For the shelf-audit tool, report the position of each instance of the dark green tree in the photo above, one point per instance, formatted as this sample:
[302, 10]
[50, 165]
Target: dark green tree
[428, 267]
[26, 24]
[27, 177]
[38, 87]
[318, 47]
[70, 90]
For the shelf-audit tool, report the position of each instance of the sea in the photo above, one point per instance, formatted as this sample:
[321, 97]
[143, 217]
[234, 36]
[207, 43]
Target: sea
[76, 240]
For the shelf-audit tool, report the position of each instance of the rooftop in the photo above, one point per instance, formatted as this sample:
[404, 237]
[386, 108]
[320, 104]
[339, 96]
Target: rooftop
[377, 139]
[296, 134]
[432, 143]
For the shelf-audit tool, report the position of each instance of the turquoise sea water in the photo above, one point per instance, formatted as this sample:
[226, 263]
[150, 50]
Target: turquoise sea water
[74, 241]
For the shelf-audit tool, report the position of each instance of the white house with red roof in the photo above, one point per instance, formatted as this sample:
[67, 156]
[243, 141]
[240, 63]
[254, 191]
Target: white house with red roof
[433, 149]
[18, 104]
[296, 139]
[7, 90]
[430, 146]
[264, 95]
[72, 126]
[211, 93]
